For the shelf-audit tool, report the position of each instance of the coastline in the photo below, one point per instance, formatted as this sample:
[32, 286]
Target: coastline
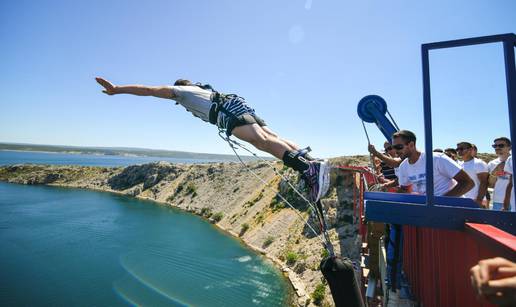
[227, 190]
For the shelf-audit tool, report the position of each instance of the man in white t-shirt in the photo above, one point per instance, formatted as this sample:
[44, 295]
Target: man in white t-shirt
[449, 178]
[498, 178]
[476, 169]
[509, 204]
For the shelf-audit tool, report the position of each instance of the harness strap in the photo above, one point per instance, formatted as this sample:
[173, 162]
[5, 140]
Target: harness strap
[217, 106]
[299, 153]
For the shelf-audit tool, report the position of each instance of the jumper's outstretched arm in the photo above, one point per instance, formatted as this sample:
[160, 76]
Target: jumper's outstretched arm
[140, 90]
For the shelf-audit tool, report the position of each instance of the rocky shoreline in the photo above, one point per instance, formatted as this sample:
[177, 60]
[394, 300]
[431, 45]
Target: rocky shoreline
[234, 201]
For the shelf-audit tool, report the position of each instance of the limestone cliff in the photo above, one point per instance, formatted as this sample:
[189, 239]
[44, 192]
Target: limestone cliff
[233, 199]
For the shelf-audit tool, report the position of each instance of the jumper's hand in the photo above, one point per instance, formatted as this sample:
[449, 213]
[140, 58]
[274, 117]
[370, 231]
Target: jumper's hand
[109, 88]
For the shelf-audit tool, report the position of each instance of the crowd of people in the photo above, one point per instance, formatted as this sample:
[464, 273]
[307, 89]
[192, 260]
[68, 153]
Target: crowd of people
[458, 172]
[401, 168]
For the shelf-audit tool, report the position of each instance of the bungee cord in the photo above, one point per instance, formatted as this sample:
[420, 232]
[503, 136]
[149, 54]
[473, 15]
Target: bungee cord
[317, 211]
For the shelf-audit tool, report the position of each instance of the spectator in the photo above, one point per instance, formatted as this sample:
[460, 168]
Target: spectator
[377, 166]
[439, 150]
[474, 150]
[389, 173]
[495, 280]
[509, 193]
[452, 153]
[476, 169]
[392, 161]
[449, 178]
[498, 178]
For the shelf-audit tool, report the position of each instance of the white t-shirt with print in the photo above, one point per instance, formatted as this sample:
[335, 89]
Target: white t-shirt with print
[415, 174]
[474, 167]
[508, 169]
[502, 179]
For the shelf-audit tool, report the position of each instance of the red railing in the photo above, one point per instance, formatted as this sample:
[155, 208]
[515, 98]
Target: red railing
[437, 262]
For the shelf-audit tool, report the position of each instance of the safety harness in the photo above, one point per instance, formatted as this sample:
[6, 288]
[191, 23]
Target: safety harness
[217, 105]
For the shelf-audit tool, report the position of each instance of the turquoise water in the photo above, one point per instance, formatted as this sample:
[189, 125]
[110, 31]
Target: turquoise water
[65, 247]
[20, 157]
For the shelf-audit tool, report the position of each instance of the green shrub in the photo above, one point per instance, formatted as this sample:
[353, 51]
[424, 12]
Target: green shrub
[276, 204]
[191, 189]
[325, 253]
[217, 217]
[179, 188]
[244, 228]
[318, 294]
[268, 241]
[260, 218]
[206, 212]
[254, 201]
[291, 257]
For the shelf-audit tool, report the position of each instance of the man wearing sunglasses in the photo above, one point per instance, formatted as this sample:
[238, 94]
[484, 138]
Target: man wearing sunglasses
[389, 164]
[498, 178]
[388, 158]
[476, 169]
[449, 178]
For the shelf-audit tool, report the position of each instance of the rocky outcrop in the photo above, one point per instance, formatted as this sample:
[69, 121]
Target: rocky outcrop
[233, 199]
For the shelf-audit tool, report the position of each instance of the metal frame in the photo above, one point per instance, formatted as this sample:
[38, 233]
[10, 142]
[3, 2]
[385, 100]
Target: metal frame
[434, 215]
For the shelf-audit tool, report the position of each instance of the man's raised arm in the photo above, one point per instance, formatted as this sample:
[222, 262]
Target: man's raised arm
[390, 161]
[140, 90]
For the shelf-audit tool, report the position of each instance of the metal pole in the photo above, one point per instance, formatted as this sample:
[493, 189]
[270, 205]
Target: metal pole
[510, 79]
[428, 127]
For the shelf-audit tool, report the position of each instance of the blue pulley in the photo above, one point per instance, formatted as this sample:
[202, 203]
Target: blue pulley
[370, 107]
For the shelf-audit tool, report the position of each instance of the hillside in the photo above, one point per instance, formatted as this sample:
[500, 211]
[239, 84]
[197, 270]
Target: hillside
[230, 197]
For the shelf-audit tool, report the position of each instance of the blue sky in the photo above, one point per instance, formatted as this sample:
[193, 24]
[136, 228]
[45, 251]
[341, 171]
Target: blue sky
[303, 65]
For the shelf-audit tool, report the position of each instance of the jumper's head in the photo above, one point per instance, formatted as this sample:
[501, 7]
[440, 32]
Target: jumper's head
[183, 82]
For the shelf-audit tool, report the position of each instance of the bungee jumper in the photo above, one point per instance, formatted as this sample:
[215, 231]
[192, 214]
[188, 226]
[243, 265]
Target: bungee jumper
[233, 116]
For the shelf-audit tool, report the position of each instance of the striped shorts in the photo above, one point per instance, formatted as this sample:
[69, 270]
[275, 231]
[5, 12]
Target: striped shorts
[242, 114]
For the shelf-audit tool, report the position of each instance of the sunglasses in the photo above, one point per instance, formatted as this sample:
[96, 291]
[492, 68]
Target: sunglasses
[398, 146]
[388, 148]
[498, 146]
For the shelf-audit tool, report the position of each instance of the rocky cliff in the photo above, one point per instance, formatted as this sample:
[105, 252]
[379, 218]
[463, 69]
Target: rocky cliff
[233, 199]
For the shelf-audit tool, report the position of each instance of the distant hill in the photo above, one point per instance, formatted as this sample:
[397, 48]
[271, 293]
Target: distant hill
[122, 151]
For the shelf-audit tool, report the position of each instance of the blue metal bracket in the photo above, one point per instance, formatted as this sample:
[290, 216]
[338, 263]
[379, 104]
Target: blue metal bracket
[446, 217]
